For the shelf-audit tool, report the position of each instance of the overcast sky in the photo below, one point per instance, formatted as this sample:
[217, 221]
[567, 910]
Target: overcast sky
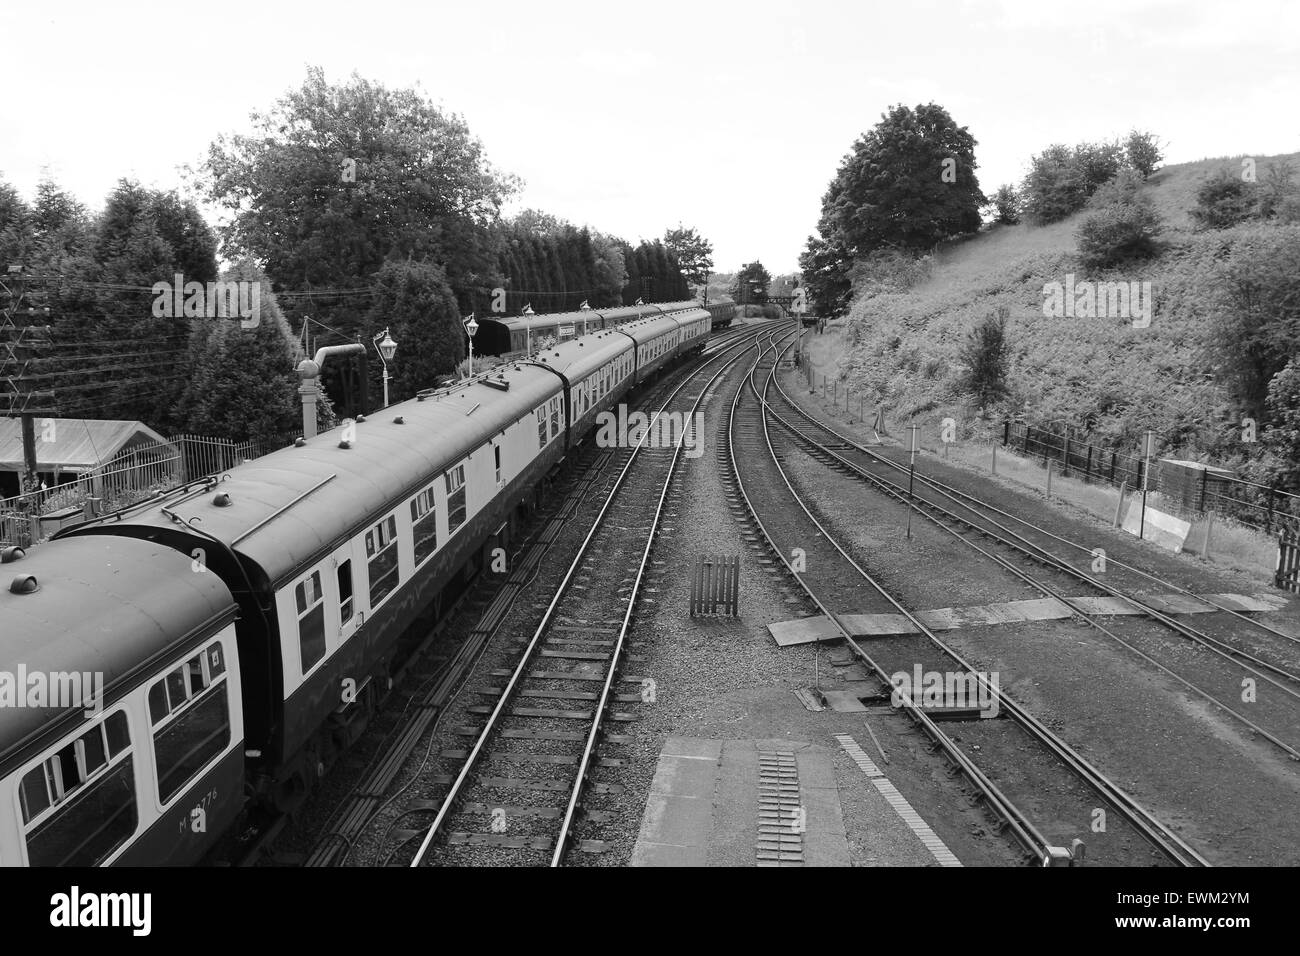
[634, 116]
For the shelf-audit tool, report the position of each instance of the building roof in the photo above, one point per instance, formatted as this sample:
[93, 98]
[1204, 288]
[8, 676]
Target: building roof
[78, 443]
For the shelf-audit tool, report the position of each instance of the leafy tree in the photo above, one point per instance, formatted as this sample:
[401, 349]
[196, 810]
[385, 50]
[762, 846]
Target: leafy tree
[1143, 152]
[414, 302]
[1055, 186]
[1123, 224]
[1276, 189]
[751, 283]
[1223, 200]
[1283, 433]
[1098, 163]
[1006, 205]
[986, 355]
[694, 253]
[421, 187]
[909, 182]
[826, 266]
[1258, 306]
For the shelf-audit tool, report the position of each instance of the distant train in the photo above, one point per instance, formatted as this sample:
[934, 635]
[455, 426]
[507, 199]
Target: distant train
[243, 629]
[514, 335]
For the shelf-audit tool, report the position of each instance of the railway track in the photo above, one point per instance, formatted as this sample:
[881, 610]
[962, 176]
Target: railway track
[838, 584]
[989, 533]
[524, 776]
[426, 682]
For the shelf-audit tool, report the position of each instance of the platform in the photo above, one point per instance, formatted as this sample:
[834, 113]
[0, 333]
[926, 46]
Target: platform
[806, 630]
[764, 803]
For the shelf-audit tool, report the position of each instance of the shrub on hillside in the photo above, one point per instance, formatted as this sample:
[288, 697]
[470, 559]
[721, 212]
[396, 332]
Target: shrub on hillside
[1223, 200]
[1277, 192]
[1142, 150]
[1054, 187]
[1123, 224]
[1258, 305]
[986, 356]
[888, 270]
[1006, 205]
[1282, 436]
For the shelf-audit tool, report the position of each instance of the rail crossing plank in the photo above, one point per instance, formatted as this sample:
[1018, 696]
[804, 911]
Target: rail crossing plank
[806, 630]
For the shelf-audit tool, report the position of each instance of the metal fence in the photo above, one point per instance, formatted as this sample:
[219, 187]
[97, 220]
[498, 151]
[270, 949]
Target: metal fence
[1203, 490]
[129, 477]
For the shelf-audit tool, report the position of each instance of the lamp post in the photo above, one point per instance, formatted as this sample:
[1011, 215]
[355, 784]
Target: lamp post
[528, 319]
[584, 309]
[387, 349]
[639, 303]
[471, 327]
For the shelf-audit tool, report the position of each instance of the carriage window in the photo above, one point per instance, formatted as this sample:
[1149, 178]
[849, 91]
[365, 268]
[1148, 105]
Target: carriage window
[555, 417]
[455, 498]
[194, 735]
[423, 524]
[311, 621]
[541, 427]
[496, 451]
[345, 591]
[381, 557]
[78, 804]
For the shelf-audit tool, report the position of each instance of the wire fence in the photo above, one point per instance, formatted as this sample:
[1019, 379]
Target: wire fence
[130, 477]
[1190, 487]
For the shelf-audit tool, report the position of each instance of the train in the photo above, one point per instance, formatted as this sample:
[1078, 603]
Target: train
[170, 669]
[515, 335]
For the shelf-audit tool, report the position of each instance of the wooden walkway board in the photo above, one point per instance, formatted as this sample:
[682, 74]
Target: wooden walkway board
[806, 630]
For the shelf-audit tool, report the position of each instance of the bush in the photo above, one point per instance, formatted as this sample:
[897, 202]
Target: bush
[1283, 433]
[1277, 192]
[888, 270]
[1223, 200]
[986, 355]
[1124, 223]
[1142, 150]
[1006, 205]
[1054, 187]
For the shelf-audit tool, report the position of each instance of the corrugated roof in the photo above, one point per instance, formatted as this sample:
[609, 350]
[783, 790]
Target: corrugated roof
[80, 443]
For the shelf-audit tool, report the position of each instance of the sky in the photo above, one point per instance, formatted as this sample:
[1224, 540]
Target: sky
[635, 117]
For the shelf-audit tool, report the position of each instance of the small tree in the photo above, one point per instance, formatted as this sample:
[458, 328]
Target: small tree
[1277, 188]
[1123, 225]
[986, 356]
[1143, 152]
[1223, 200]
[1006, 205]
[413, 301]
[751, 283]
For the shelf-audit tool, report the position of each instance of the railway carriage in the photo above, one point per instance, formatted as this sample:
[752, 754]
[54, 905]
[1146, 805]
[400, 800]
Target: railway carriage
[334, 548]
[247, 624]
[597, 372]
[132, 751]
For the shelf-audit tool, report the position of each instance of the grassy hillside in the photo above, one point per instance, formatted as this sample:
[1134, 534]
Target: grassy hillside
[905, 346]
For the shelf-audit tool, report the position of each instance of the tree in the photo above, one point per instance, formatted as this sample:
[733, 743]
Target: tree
[1054, 187]
[985, 355]
[1143, 152]
[1223, 200]
[336, 179]
[1258, 313]
[1006, 205]
[694, 253]
[414, 302]
[1123, 224]
[1276, 189]
[909, 182]
[243, 385]
[751, 283]
[1283, 432]
[826, 266]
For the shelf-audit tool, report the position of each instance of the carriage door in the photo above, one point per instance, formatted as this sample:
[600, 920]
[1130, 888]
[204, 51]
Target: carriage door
[348, 607]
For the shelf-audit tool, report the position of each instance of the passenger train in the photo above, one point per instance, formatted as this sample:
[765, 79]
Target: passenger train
[245, 627]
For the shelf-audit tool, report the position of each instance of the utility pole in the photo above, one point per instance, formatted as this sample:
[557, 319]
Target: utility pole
[18, 345]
